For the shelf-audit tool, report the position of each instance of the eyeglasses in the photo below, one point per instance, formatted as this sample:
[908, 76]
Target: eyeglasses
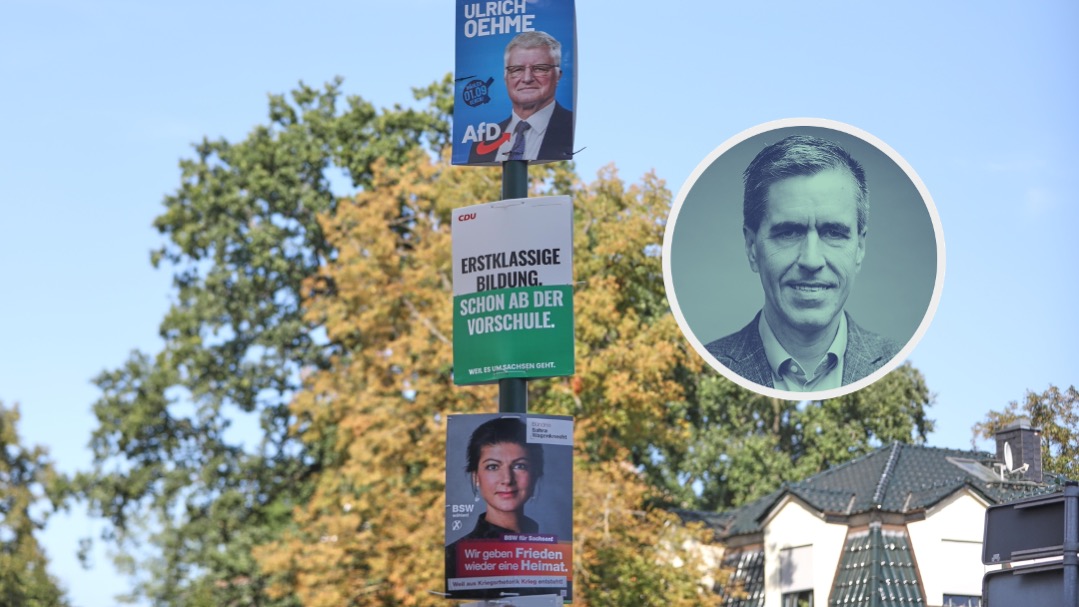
[540, 70]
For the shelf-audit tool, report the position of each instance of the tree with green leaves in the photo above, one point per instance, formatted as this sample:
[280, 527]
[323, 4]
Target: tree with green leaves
[1056, 413]
[29, 490]
[325, 319]
[743, 445]
[242, 241]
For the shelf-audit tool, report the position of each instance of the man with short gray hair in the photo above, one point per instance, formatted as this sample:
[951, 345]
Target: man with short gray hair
[539, 128]
[805, 217]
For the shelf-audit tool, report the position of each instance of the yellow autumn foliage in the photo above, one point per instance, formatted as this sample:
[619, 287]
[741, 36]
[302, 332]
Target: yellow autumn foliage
[372, 531]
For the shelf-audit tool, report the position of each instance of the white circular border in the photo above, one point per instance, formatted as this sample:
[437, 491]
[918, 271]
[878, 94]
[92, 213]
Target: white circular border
[760, 129]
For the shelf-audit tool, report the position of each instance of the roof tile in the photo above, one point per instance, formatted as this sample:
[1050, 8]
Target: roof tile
[896, 478]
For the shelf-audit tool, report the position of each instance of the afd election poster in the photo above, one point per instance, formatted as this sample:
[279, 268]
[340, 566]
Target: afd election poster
[513, 290]
[509, 506]
[516, 81]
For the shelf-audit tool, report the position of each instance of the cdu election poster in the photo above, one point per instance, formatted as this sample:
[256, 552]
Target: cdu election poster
[509, 506]
[513, 290]
[515, 81]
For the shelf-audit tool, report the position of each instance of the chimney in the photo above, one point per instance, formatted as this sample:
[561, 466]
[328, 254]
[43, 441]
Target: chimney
[1026, 447]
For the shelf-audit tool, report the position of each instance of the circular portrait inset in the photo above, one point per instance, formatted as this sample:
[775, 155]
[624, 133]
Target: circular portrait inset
[803, 259]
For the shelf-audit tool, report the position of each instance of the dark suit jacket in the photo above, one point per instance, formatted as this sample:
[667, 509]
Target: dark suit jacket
[557, 141]
[743, 353]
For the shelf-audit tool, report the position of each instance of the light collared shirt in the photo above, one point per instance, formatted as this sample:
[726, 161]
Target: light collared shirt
[537, 124]
[789, 374]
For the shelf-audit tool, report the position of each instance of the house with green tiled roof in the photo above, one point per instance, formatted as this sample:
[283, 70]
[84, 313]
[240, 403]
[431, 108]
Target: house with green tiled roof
[900, 526]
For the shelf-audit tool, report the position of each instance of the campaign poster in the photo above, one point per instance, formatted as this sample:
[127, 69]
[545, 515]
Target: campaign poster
[513, 290]
[509, 506]
[515, 81]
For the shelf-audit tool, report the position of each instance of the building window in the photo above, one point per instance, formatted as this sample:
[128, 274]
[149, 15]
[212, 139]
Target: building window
[795, 568]
[962, 600]
[802, 598]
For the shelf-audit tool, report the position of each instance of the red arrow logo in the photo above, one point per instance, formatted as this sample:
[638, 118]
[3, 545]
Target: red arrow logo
[486, 147]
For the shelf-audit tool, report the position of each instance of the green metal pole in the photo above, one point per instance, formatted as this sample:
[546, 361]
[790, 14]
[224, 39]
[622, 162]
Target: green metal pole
[514, 179]
[513, 392]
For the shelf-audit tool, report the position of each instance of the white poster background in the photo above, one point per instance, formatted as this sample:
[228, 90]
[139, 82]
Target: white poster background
[517, 224]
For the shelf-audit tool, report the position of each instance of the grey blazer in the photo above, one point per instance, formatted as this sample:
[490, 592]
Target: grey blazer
[743, 353]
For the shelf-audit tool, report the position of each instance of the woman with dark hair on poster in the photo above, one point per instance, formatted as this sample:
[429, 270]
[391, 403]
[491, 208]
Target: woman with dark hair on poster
[504, 469]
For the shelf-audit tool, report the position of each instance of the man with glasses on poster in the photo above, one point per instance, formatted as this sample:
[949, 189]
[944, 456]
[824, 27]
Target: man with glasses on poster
[539, 127]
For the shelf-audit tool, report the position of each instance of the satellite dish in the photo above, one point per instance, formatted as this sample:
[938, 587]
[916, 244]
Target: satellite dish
[1008, 457]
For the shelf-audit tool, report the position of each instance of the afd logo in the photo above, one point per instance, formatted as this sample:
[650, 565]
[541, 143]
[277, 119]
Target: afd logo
[487, 136]
[466, 217]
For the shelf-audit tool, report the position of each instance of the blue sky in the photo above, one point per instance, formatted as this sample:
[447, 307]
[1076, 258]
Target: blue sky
[101, 100]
